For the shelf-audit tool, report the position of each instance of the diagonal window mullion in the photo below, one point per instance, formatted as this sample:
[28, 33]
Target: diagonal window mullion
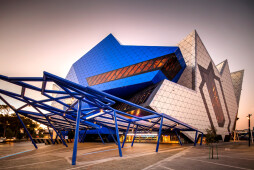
[101, 78]
[105, 77]
[95, 79]
[118, 72]
[92, 80]
[122, 72]
[156, 63]
[111, 75]
[128, 70]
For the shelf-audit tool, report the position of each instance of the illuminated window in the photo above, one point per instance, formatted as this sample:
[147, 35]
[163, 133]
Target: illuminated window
[169, 65]
[139, 98]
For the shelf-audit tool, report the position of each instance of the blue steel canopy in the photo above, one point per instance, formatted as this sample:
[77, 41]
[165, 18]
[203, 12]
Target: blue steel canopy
[90, 108]
[92, 117]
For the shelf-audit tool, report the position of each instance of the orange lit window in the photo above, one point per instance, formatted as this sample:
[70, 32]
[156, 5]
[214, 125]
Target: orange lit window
[148, 65]
[138, 70]
[154, 66]
[101, 78]
[122, 72]
[133, 70]
[109, 77]
[163, 61]
[98, 79]
[113, 75]
[129, 70]
[118, 72]
[105, 76]
[143, 64]
[142, 67]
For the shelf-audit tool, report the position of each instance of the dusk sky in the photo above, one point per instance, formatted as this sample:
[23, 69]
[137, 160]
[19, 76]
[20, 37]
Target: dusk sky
[37, 36]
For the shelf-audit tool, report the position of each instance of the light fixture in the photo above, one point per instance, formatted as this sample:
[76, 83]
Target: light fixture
[97, 114]
[143, 134]
[249, 115]
[138, 111]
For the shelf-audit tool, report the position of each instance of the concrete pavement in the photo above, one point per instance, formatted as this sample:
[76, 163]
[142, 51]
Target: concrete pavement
[141, 156]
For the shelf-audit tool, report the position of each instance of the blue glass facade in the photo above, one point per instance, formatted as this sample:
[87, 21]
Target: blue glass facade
[110, 55]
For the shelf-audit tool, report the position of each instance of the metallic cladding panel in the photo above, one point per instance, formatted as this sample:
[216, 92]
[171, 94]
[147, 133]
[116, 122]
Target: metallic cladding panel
[191, 105]
[109, 55]
[72, 75]
[237, 80]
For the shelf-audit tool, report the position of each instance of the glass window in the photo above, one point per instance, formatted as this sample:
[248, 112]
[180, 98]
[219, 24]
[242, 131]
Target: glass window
[163, 61]
[105, 76]
[129, 70]
[138, 70]
[97, 79]
[110, 75]
[143, 65]
[101, 78]
[118, 72]
[168, 64]
[148, 66]
[122, 72]
[139, 98]
[132, 72]
[155, 64]
[171, 68]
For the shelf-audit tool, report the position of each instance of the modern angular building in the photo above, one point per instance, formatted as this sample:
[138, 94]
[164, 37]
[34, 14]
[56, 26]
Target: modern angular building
[181, 81]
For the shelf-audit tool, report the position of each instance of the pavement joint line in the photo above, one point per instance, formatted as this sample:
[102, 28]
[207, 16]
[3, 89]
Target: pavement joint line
[242, 153]
[235, 157]
[236, 167]
[41, 153]
[168, 159]
[92, 149]
[14, 154]
[31, 164]
[165, 167]
[102, 151]
[90, 163]
[34, 154]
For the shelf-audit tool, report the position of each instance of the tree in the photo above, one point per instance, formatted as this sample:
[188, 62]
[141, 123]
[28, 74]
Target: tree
[211, 138]
[10, 126]
[4, 109]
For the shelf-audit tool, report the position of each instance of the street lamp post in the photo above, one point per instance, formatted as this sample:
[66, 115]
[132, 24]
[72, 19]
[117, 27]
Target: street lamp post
[249, 126]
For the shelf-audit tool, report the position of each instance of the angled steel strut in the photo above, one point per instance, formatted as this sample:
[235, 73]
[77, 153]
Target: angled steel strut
[89, 109]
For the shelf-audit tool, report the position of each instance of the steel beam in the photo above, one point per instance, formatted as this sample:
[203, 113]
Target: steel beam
[159, 135]
[112, 136]
[195, 142]
[51, 137]
[178, 138]
[201, 140]
[100, 136]
[134, 136]
[56, 132]
[83, 137]
[74, 155]
[26, 131]
[20, 121]
[127, 130]
[117, 135]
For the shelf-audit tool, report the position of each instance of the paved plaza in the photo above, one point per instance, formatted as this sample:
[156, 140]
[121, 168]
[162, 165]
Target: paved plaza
[141, 156]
